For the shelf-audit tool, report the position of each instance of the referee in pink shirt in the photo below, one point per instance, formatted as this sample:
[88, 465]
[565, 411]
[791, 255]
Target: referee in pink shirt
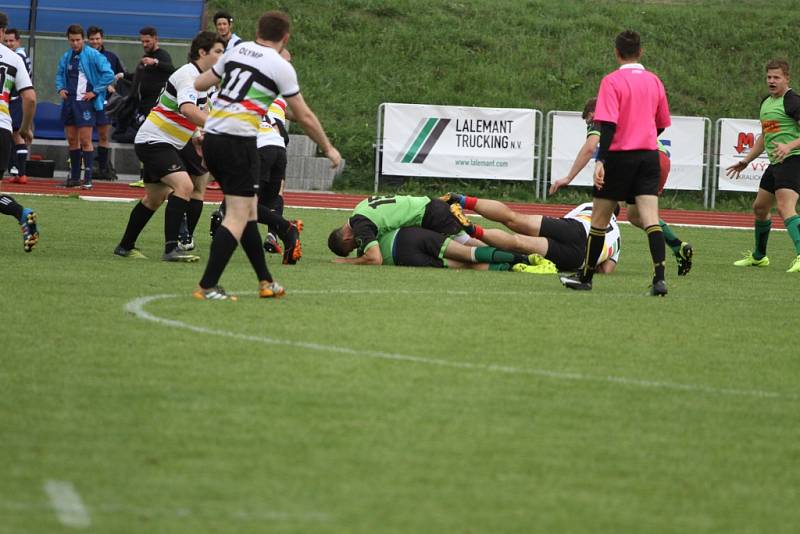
[632, 111]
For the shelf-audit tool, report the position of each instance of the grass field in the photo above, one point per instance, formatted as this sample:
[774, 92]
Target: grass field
[391, 399]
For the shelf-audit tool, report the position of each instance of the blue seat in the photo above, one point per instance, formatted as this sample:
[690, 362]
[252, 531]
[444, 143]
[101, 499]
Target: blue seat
[47, 121]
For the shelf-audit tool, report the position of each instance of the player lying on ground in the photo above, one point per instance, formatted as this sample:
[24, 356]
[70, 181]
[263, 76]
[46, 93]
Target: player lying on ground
[560, 240]
[681, 249]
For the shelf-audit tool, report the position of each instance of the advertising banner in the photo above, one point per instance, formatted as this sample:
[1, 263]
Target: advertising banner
[736, 138]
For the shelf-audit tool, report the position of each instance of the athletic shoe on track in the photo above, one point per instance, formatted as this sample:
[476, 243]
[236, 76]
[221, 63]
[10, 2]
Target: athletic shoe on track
[795, 266]
[574, 282]
[271, 244]
[179, 256]
[684, 257]
[659, 289]
[133, 253]
[271, 290]
[19, 180]
[30, 233]
[213, 293]
[750, 261]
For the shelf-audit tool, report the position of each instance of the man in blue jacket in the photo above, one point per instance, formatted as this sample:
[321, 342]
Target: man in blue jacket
[82, 79]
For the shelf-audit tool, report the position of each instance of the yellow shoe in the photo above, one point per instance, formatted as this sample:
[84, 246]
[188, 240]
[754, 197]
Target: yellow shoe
[795, 266]
[544, 267]
[138, 183]
[750, 261]
[270, 290]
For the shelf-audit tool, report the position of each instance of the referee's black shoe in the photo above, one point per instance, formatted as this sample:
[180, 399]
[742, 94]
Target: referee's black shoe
[658, 289]
[574, 282]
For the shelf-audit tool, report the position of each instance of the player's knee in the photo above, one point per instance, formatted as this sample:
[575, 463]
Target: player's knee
[761, 210]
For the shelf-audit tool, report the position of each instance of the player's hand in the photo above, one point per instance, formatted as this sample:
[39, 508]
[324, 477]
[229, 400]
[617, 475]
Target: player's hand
[781, 151]
[333, 155]
[64, 94]
[147, 61]
[27, 135]
[734, 170]
[111, 89]
[599, 175]
[90, 95]
[558, 184]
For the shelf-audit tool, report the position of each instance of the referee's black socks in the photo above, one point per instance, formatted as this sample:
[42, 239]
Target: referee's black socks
[594, 248]
[655, 238]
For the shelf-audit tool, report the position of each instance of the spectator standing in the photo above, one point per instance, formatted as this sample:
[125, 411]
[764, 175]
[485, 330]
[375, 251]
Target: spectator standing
[104, 169]
[19, 155]
[223, 21]
[81, 79]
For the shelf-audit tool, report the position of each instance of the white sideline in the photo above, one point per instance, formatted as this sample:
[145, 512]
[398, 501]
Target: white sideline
[136, 307]
[67, 504]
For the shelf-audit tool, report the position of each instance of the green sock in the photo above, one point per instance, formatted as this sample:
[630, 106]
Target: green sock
[793, 227]
[493, 255]
[762, 235]
[499, 266]
[673, 241]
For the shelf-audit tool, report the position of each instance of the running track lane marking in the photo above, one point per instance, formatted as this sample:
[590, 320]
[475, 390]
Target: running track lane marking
[67, 504]
[136, 307]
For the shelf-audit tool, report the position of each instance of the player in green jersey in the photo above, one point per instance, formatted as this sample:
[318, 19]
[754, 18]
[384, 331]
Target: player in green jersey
[682, 250]
[780, 136]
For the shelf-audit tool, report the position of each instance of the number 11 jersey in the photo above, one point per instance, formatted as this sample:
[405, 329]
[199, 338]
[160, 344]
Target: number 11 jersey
[252, 76]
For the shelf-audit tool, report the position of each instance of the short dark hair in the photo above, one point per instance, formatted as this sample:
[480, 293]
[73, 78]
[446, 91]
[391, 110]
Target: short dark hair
[203, 41]
[336, 243]
[273, 26]
[628, 44]
[148, 30]
[3, 20]
[75, 29]
[222, 14]
[589, 107]
[781, 64]
[93, 30]
[14, 32]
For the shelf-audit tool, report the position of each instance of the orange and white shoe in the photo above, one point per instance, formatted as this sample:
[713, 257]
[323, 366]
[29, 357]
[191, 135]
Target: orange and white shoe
[270, 290]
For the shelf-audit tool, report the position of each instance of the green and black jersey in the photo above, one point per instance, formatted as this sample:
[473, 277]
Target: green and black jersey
[378, 215]
[779, 121]
[592, 128]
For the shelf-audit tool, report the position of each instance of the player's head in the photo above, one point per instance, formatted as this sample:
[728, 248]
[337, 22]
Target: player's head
[206, 49]
[75, 36]
[777, 76]
[94, 34]
[628, 45]
[11, 38]
[274, 26]
[148, 36]
[588, 109]
[223, 22]
[341, 241]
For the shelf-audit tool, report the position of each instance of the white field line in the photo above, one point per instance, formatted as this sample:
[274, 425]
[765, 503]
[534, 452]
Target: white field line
[136, 307]
[67, 504]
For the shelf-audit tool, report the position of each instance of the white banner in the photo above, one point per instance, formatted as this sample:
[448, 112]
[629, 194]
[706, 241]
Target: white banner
[736, 139]
[458, 142]
[684, 140]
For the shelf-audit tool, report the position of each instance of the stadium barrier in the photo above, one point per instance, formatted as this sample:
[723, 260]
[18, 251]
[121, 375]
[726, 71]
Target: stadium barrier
[457, 142]
[687, 140]
[735, 139]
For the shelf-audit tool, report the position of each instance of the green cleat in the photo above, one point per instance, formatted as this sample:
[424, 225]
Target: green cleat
[750, 261]
[133, 253]
[684, 257]
[795, 266]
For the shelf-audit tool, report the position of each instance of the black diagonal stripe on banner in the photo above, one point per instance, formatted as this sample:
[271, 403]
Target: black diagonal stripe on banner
[435, 134]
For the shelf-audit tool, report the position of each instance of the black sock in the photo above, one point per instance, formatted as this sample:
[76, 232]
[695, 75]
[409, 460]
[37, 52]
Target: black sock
[88, 161]
[75, 165]
[193, 214]
[173, 216]
[22, 159]
[251, 243]
[655, 238]
[140, 216]
[276, 223]
[9, 206]
[277, 205]
[222, 248]
[102, 157]
[594, 248]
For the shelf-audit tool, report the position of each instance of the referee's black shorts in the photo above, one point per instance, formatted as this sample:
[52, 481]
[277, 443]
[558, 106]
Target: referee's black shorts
[630, 173]
[233, 161]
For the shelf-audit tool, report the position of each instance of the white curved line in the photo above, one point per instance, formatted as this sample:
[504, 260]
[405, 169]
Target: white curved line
[136, 307]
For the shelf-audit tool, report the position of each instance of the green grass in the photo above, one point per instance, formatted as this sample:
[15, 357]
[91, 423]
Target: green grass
[393, 399]
[353, 55]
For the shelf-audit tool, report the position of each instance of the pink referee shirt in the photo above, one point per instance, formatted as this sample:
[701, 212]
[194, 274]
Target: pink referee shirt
[633, 99]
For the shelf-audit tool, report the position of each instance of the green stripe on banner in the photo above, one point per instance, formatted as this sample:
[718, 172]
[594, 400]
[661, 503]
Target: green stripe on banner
[419, 140]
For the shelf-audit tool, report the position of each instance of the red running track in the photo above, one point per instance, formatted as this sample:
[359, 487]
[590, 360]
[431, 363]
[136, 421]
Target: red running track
[309, 199]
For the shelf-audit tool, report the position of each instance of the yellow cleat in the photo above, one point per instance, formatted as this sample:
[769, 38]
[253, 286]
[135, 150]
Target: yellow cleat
[750, 261]
[795, 266]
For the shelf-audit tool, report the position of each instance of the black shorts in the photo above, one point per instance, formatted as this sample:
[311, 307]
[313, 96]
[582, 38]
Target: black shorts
[15, 110]
[273, 172]
[418, 247]
[101, 119]
[233, 161]
[158, 160]
[630, 173]
[784, 175]
[6, 146]
[439, 219]
[192, 160]
[566, 242]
